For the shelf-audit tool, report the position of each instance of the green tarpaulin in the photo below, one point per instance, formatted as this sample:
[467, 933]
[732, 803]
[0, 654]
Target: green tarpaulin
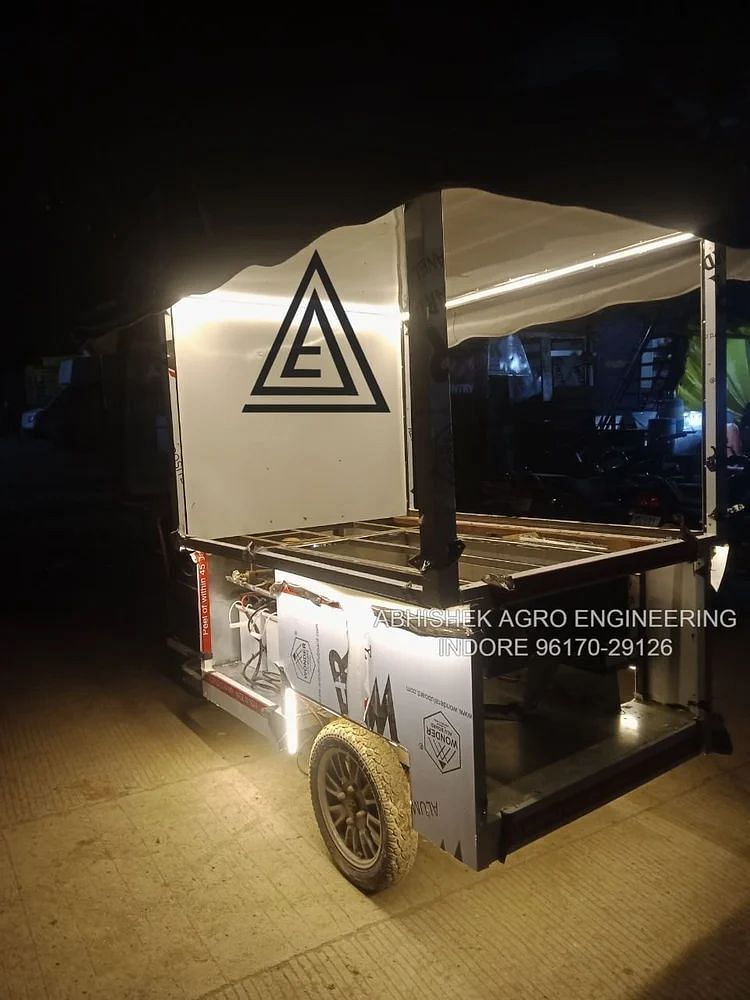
[690, 389]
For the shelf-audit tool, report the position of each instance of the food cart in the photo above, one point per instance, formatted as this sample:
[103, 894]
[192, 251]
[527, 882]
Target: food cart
[437, 665]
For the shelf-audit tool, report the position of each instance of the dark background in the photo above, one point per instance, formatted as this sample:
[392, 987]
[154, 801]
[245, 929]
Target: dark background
[154, 154]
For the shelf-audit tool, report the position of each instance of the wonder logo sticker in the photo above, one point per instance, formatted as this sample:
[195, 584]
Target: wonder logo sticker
[316, 363]
[442, 742]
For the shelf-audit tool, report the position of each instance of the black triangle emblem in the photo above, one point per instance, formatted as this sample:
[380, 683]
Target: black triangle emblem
[278, 388]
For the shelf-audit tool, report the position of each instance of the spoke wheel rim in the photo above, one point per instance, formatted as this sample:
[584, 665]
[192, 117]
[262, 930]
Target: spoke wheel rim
[350, 808]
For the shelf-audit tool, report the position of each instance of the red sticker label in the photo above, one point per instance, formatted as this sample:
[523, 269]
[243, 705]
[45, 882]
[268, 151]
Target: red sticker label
[204, 606]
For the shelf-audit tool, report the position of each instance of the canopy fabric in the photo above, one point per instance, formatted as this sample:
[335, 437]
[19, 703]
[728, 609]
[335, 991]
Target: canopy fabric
[490, 239]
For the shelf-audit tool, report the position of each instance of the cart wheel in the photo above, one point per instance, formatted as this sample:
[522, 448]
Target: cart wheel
[362, 803]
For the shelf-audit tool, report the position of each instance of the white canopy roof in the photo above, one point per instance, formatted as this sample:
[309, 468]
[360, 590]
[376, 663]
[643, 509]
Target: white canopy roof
[512, 263]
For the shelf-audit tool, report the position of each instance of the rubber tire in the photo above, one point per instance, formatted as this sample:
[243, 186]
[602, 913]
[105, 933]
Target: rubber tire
[390, 782]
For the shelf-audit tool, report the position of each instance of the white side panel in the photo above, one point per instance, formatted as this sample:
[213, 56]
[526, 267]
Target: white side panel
[676, 679]
[322, 649]
[289, 381]
[426, 697]
[403, 686]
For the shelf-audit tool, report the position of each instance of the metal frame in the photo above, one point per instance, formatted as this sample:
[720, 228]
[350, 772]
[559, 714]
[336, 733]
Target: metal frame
[656, 547]
[177, 487]
[432, 431]
[605, 777]
[714, 350]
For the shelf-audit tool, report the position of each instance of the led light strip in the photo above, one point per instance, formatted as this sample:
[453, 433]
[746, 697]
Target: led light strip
[247, 304]
[290, 720]
[542, 277]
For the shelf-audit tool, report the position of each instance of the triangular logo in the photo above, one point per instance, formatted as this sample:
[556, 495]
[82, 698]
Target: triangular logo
[316, 363]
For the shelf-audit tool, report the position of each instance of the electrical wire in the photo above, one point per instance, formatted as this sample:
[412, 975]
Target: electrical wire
[262, 680]
[305, 748]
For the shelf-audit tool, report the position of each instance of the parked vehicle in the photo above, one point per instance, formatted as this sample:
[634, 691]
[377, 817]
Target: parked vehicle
[348, 613]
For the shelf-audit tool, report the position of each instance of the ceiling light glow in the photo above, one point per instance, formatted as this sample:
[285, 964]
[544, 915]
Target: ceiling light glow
[542, 277]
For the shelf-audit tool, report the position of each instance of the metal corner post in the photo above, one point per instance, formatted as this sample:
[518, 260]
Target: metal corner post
[714, 344]
[432, 433]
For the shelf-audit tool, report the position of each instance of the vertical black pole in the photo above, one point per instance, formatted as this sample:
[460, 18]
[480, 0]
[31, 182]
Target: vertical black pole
[432, 433]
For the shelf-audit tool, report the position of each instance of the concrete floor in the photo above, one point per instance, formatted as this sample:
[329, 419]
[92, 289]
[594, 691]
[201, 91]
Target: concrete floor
[151, 847]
